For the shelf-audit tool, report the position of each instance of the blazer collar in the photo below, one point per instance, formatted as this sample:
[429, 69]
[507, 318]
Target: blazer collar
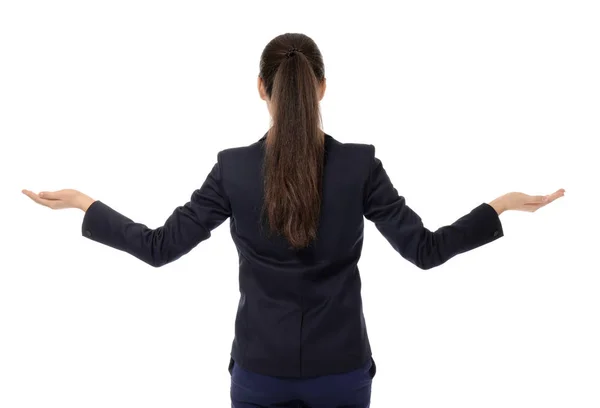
[327, 137]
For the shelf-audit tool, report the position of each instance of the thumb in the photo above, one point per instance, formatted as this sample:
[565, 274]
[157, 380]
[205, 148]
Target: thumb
[539, 199]
[50, 195]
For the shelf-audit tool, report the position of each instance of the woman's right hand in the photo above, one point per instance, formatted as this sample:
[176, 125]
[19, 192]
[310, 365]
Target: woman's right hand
[523, 202]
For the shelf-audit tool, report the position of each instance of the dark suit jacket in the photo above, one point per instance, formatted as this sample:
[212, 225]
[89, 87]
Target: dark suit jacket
[300, 312]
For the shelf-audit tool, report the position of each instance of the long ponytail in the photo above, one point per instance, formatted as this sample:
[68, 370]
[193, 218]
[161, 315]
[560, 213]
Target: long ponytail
[294, 150]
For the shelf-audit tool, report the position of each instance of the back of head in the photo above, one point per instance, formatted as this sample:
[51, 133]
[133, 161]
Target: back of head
[291, 67]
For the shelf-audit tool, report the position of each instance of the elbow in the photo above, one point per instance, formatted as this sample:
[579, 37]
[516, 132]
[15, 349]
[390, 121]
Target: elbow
[424, 259]
[158, 249]
[157, 264]
[159, 259]
[430, 254]
[426, 265]
[424, 250]
[430, 263]
[156, 259]
[429, 260]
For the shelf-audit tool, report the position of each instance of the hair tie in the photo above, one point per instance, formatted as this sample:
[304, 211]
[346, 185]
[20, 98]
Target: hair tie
[291, 52]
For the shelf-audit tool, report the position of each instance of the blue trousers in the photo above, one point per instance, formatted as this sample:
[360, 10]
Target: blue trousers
[347, 390]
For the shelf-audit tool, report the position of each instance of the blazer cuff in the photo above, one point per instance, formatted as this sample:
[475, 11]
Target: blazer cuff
[489, 226]
[96, 224]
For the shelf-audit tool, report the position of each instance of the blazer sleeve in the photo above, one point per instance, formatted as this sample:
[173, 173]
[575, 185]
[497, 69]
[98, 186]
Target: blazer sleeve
[185, 228]
[404, 230]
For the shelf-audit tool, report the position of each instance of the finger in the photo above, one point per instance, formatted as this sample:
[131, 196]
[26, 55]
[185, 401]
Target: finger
[554, 196]
[534, 200]
[51, 195]
[558, 193]
[548, 199]
[31, 195]
[35, 197]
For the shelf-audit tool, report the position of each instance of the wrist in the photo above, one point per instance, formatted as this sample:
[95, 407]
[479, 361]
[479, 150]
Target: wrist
[84, 202]
[499, 204]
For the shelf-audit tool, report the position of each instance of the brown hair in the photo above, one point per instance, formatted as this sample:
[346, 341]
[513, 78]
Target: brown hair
[291, 67]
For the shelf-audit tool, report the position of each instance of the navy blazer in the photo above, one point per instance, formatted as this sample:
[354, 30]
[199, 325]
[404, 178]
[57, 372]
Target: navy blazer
[300, 311]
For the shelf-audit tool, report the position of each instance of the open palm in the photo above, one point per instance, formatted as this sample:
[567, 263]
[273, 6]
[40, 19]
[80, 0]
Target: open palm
[523, 202]
[57, 200]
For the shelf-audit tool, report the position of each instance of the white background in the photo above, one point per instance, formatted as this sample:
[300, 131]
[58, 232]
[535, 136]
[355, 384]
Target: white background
[464, 100]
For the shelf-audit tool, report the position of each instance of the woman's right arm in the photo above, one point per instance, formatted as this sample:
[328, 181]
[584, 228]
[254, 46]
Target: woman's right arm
[404, 229]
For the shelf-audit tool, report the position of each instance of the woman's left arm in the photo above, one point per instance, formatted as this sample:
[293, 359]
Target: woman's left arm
[185, 228]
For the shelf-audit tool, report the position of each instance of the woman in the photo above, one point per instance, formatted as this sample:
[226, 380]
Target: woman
[296, 200]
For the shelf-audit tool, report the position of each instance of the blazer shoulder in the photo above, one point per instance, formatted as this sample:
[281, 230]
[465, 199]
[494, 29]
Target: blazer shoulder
[360, 151]
[237, 151]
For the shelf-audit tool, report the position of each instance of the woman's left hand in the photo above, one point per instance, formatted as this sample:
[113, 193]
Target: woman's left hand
[61, 199]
